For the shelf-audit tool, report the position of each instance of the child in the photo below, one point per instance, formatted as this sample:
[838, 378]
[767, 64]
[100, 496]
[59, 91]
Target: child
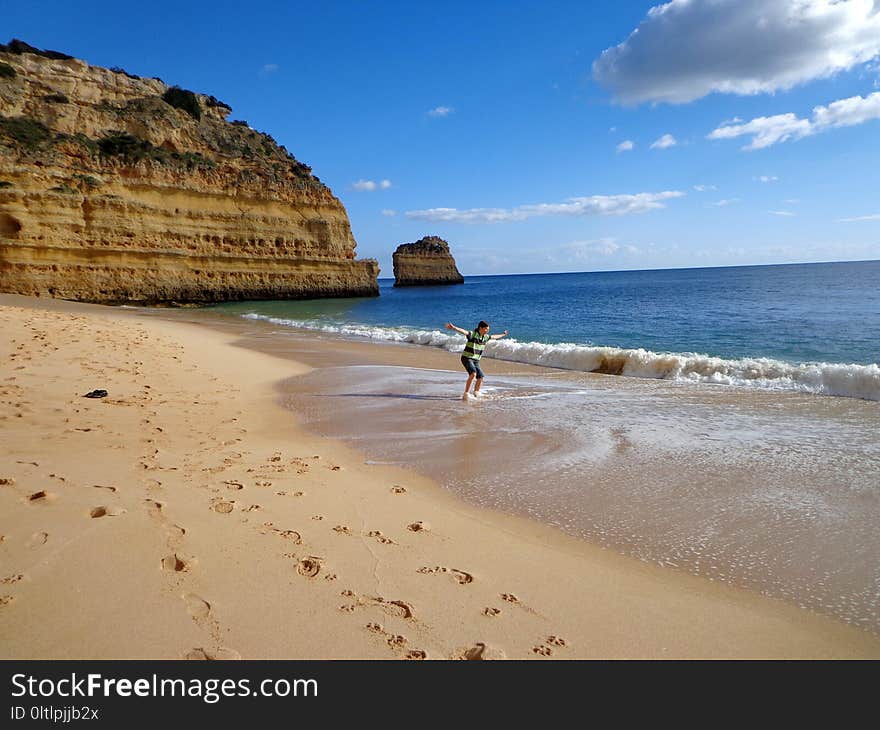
[473, 351]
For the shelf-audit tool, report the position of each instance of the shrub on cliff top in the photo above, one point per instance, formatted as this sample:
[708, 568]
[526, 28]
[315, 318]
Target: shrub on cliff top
[6, 71]
[18, 47]
[27, 132]
[184, 100]
[214, 101]
[119, 70]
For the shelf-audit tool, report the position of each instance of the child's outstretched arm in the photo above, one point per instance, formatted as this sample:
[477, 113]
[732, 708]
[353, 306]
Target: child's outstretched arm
[498, 336]
[460, 331]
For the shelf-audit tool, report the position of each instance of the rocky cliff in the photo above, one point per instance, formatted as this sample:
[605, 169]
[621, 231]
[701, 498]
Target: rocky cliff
[115, 188]
[425, 262]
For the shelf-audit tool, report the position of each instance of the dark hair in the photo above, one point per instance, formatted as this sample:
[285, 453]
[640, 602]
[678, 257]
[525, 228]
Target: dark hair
[482, 324]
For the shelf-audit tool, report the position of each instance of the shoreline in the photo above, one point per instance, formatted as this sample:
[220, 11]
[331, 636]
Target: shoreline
[753, 491]
[219, 563]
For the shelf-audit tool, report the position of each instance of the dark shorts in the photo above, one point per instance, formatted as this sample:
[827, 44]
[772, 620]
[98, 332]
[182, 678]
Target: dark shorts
[472, 366]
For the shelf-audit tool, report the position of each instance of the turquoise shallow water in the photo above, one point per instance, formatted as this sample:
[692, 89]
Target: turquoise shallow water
[803, 327]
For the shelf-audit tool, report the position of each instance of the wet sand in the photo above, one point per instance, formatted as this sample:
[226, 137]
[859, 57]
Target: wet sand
[189, 515]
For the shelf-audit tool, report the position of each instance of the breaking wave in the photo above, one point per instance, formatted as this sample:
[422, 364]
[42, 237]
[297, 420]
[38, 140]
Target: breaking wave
[838, 379]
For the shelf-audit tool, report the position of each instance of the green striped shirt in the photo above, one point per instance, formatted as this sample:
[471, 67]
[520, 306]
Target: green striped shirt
[475, 344]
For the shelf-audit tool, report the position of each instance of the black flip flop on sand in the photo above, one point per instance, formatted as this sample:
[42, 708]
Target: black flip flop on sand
[96, 394]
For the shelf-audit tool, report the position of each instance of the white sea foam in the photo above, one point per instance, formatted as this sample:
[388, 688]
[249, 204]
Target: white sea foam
[839, 379]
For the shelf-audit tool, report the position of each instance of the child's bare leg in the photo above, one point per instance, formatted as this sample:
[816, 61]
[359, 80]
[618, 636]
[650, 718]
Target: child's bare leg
[467, 385]
[477, 386]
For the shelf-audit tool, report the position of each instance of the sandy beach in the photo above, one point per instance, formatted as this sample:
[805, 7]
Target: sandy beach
[189, 515]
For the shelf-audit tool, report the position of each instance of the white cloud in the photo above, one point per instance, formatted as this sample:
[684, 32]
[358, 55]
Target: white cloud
[368, 186]
[269, 68]
[592, 249]
[598, 253]
[766, 178]
[389, 212]
[767, 131]
[686, 49]
[704, 188]
[441, 111]
[612, 129]
[722, 203]
[587, 206]
[873, 217]
[667, 140]
[625, 146]
[786, 213]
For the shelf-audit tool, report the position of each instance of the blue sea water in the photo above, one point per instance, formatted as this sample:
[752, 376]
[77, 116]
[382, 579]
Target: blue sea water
[805, 327]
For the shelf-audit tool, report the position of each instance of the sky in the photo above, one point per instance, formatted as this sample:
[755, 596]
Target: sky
[539, 136]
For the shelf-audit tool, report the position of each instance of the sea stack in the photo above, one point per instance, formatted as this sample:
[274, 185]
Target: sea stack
[425, 262]
[121, 189]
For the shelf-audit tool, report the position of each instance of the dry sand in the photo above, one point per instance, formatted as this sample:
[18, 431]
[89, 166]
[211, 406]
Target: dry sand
[186, 515]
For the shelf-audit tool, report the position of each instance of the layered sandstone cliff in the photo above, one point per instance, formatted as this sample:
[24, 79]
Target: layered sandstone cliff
[115, 188]
[425, 262]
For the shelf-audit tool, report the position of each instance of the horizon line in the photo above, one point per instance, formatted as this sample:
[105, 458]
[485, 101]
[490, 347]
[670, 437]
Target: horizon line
[670, 268]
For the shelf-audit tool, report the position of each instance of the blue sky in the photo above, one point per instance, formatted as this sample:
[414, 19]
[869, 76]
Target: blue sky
[503, 126]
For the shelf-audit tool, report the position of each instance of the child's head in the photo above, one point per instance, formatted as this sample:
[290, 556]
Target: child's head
[483, 327]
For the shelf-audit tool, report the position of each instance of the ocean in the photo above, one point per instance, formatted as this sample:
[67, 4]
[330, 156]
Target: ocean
[802, 327]
[719, 421]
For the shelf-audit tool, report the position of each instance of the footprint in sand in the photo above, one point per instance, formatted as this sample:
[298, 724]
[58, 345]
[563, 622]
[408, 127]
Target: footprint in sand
[309, 566]
[37, 539]
[223, 508]
[379, 537]
[219, 654]
[10, 579]
[197, 606]
[419, 526]
[102, 511]
[342, 530]
[460, 576]
[396, 641]
[41, 496]
[6, 600]
[175, 532]
[174, 563]
[234, 485]
[101, 486]
[154, 509]
[480, 651]
[6, 481]
[400, 609]
[318, 517]
[397, 489]
[491, 612]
